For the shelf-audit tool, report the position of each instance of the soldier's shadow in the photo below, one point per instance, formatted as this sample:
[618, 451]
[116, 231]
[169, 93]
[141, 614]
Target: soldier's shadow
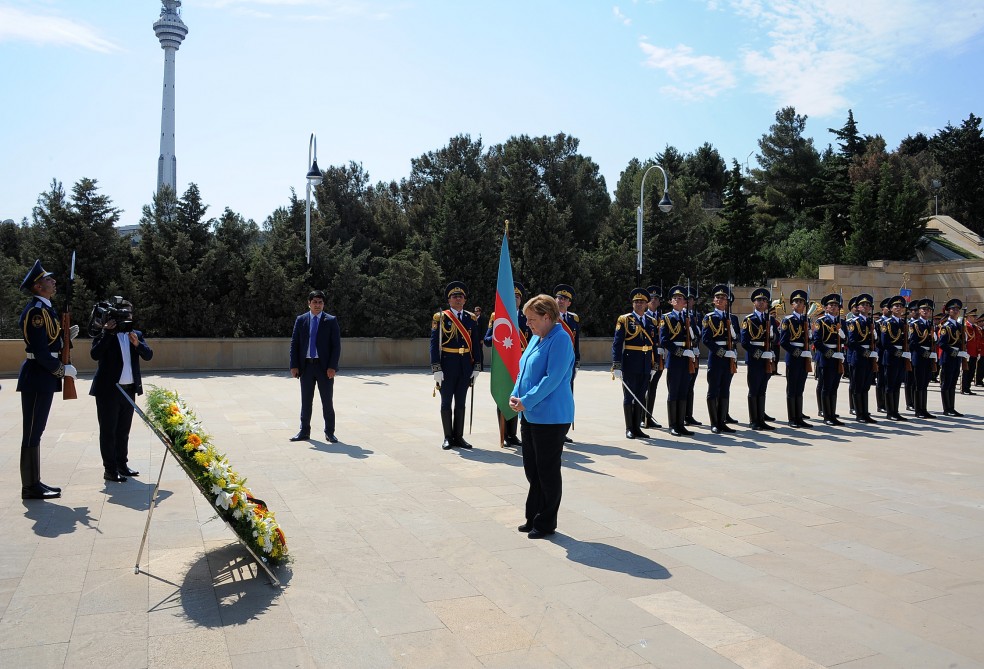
[52, 519]
[603, 449]
[350, 450]
[514, 458]
[697, 442]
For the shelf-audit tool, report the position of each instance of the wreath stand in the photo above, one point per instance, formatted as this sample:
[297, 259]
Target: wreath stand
[169, 446]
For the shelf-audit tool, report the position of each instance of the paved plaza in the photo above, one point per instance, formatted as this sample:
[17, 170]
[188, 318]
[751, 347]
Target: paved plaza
[851, 547]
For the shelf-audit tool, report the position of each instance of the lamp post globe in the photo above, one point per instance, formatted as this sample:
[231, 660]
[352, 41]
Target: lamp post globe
[313, 178]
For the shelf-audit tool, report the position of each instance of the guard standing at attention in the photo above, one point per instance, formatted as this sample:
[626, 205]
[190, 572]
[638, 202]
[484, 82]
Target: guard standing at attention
[922, 345]
[695, 320]
[894, 357]
[675, 335]
[719, 332]
[456, 359]
[886, 313]
[862, 355]
[972, 335]
[510, 438]
[40, 376]
[953, 354]
[633, 360]
[829, 338]
[852, 313]
[910, 379]
[794, 338]
[759, 338]
[564, 294]
[654, 315]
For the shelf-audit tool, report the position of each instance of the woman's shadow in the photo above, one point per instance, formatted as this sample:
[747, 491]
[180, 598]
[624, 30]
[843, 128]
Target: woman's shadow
[610, 558]
[53, 520]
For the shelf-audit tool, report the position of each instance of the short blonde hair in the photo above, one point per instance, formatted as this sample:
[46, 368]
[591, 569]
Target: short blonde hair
[543, 305]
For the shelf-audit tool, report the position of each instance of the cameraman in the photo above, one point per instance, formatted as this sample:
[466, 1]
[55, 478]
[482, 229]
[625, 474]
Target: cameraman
[118, 348]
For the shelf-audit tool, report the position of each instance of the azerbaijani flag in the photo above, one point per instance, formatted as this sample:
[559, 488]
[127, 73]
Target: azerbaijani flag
[505, 335]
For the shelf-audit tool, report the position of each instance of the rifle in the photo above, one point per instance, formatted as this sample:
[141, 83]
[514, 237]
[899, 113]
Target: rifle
[874, 361]
[768, 339]
[733, 361]
[964, 361]
[837, 325]
[691, 362]
[68, 383]
[905, 343]
[806, 339]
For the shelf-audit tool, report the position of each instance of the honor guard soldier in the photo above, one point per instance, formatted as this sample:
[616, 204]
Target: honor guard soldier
[634, 360]
[894, 357]
[455, 361]
[510, 438]
[40, 376]
[564, 295]
[695, 324]
[828, 339]
[759, 338]
[852, 313]
[953, 355]
[886, 313]
[794, 339]
[922, 345]
[862, 356]
[654, 315]
[972, 334]
[910, 379]
[676, 336]
[719, 332]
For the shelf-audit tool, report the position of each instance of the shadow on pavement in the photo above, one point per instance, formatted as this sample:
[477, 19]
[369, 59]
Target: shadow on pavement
[610, 558]
[134, 494]
[52, 519]
[350, 450]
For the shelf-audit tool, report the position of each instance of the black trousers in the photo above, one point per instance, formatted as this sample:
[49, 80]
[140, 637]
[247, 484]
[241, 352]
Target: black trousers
[310, 377]
[543, 445]
[34, 409]
[115, 417]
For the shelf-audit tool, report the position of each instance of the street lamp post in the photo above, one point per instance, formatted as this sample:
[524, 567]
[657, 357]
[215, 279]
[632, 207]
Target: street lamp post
[313, 179]
[936, 196]
[665, 205]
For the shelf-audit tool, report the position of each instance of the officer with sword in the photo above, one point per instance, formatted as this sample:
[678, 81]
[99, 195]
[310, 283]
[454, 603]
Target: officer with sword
[456, 360]
[634, 360]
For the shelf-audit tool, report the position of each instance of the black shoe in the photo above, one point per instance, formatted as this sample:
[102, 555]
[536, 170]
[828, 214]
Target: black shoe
[725, 428]
[301, 436]
[729, 419]
[447, 445]
[461, 443]
[539, 534]
[690, 420]
[525, 527]
[651, 423]
[766, 416]
[126, 471]
[568, 440]
[640, 434]
[629, 434]
[954, 413]
[37, 492]
[513, 441]
[332, 439]
[115, 477]
[49, 487]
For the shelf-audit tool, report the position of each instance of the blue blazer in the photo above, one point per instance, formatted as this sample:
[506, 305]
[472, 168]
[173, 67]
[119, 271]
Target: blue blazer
[106, 350]
[328, 345]
[544, 380]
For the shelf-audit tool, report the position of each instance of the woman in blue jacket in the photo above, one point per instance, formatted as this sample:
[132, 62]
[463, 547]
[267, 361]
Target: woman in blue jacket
[544, 399]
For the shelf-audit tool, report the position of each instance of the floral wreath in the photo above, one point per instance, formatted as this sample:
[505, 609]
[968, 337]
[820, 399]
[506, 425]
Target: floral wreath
[248, 516]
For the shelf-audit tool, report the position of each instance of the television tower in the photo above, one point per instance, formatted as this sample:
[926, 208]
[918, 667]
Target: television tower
[171, 31]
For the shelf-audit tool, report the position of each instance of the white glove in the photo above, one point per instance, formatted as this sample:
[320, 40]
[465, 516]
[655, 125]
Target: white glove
[617, 373]
[731, 354]
[873, 354]
[932, 356]
[842, 335]
[768, 355]
[906, 355]
[71, 371]
[438, 377]
[652, 373]
[475, 373]
[837, 356]
[73, 332]
[688, 353]
[964, 355]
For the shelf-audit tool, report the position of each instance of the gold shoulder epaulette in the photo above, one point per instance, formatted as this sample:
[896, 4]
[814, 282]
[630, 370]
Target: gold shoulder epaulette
[577, 319]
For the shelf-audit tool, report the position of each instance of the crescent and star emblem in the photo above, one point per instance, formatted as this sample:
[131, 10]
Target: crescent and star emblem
[507, 341]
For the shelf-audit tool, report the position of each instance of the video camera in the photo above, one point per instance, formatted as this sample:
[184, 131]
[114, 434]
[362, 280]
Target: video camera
[116, 309]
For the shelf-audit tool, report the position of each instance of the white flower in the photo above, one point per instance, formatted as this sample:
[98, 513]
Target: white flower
[223, 499]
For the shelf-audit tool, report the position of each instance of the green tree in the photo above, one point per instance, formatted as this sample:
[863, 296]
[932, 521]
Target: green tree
[960, 154]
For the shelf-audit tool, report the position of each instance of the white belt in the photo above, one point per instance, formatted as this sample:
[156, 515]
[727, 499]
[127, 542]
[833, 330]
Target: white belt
[30, 356]
[865, 346]
[757, 343]
[798, 344]
[831, 345]
[721, 343]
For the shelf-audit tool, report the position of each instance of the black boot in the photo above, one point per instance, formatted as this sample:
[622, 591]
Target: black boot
[511, 426]
[724, 405]
[924, 402]
[753, 414]
[763, 417]
[459, 427]
[681, 413]
[952, 403]
[865, 409]
[689, 418]
[852, 401]
[910, 399]
[800, 418]
[791, 417]
[637, 420]
[880, 399]
[855, 407]
[832, 405]
[448, 430]
[820, 407]
[630, 428]
[712, 412]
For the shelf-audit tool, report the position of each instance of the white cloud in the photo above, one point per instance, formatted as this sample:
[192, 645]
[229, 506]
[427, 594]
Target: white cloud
[695, 77]
[619, 16]
[325, 9]
[19, 26]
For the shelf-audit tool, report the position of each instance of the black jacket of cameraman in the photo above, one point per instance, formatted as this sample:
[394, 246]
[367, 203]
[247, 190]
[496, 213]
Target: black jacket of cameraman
[106, 350]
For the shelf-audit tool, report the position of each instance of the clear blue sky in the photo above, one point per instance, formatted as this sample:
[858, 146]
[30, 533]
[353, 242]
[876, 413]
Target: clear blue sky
[382, 82]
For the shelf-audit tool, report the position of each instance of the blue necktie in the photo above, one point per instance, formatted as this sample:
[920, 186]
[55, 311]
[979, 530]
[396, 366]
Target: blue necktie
[312, 345]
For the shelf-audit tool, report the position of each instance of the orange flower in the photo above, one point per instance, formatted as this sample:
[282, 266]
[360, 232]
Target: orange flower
[174, 409]
[194, 440]
[283, 539]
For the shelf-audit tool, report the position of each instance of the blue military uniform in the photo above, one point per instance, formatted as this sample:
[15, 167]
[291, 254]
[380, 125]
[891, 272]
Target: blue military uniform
[456, 353]
[852, 309]
[511, 425]
[880, 374]
[759, 338]
[893, 357]
[922, 346]
[654, 313]
[571, 323]
[862, 357]
[794, 339]
[829, 339]
[695, 320]
[952, 339]
[719, 332]
[910, 376]
[634, 357]
[39, 379]
[678, 336]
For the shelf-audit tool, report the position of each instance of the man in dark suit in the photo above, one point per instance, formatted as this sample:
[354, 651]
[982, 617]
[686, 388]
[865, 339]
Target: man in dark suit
[40, 376]
[117, 348]
[314, 349]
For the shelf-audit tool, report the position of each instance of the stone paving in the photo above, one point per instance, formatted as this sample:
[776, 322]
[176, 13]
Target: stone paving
[852, 547]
